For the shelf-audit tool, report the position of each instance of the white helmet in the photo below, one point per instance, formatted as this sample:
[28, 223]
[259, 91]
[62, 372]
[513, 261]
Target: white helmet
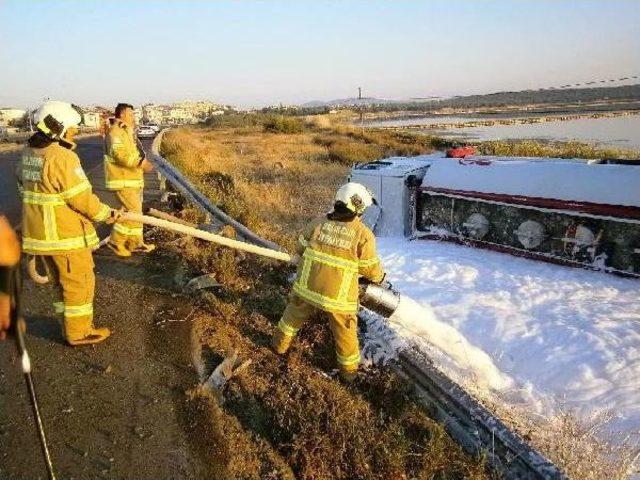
[355, 196]
[54, 118]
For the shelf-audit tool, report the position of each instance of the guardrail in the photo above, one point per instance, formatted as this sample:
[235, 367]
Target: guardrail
[476, 429]
[468, 422]
[168, 172]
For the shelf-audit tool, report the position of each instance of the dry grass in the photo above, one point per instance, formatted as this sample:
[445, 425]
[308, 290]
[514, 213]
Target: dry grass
[532, 148]
[276, 183]
[287, 417]
[10, 146]
[272, 183]
[582, 447]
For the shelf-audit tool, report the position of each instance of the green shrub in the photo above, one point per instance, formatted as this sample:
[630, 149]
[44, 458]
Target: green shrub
[280, 124]
[234, 120]
[533, 148]
[349, 153]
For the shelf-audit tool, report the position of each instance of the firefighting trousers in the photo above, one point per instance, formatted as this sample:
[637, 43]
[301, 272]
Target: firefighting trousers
[74, 282]
[344, 327]
[125, 233]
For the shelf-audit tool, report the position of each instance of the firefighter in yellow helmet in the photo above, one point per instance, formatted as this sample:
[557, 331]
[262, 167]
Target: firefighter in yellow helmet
[58, 208]
[336, 250]
[124, 166]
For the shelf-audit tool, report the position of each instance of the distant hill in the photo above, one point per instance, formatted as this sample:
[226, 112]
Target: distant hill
[350, 102]
[526, 97]
[499, 99]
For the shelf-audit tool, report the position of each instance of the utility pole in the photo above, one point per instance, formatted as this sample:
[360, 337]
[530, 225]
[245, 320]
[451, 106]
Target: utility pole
[361, 108]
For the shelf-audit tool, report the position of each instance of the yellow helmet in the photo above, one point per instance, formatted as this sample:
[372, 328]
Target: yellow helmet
[355, 196]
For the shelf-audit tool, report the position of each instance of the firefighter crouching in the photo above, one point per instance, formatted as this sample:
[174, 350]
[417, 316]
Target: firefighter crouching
[58, 206]
[336, 249]
[124, 166]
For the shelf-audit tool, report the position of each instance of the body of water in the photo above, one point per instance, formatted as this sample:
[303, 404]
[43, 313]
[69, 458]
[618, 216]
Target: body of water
[622, 132]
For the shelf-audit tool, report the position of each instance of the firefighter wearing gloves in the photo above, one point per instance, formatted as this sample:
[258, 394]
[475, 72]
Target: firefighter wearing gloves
[124, 166]
[58, 208]
[335, 251]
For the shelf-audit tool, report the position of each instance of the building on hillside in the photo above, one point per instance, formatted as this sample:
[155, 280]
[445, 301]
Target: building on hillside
[178, 116]
[13, 117]
[94, 116]
[180, 113]
[138, 113]
[92, 120]
[198, 110]
[152, 114]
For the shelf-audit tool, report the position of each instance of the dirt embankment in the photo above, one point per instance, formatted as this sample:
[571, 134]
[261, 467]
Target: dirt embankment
[291, 417]
[113, 410]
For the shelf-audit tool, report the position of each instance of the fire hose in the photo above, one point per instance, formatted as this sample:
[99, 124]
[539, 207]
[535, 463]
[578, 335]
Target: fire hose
[381, 299]
[209, 237]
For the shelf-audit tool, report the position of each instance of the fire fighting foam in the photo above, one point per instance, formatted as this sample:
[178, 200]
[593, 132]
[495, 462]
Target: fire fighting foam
[537, 335]
[421, 320]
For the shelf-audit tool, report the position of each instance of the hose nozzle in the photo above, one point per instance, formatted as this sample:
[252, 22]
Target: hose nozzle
[382, 300]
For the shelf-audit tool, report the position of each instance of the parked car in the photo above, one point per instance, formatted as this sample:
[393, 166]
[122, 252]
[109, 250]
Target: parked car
[145, 131]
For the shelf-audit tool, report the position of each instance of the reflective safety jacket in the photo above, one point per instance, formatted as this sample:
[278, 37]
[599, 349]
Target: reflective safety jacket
[122, 158]
[334, 254]
[58, 204]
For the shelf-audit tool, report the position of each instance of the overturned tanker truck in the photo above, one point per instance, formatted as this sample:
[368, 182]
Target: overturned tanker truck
[573, 212]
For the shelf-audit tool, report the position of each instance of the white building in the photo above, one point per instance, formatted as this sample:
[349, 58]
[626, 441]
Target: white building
[92, 120]
[12, 116]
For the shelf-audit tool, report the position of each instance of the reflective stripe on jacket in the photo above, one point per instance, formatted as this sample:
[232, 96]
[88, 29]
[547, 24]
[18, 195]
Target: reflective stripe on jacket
[122, 159]
[334, 254]
[58, 204]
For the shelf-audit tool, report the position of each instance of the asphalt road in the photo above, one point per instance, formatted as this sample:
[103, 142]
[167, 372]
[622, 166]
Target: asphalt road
[113, 410]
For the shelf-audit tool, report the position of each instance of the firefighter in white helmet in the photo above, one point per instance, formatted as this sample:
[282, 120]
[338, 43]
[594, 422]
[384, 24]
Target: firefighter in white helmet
[58, 208]
[336, 250]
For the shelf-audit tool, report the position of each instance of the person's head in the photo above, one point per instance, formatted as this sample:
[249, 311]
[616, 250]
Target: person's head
[124, 113]
[354, 198]
[58, 120]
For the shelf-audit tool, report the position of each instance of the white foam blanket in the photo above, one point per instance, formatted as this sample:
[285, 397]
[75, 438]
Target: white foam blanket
[521, 331]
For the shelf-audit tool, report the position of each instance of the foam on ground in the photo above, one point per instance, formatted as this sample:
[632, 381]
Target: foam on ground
[522, 331]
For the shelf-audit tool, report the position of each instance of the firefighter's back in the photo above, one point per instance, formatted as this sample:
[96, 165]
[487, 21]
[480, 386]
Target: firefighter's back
[328, 274]
[48, 177]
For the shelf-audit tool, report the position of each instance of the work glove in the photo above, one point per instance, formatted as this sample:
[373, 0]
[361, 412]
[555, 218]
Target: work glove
[384, 283]
[114, 216]
[146, 166]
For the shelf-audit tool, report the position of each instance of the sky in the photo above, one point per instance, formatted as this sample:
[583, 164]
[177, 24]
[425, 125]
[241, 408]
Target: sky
[255, 53]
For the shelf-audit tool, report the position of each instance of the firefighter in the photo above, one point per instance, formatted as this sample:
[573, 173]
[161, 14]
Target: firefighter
[9, 258]
[124, 166]
[58, 208]
[335, 250]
